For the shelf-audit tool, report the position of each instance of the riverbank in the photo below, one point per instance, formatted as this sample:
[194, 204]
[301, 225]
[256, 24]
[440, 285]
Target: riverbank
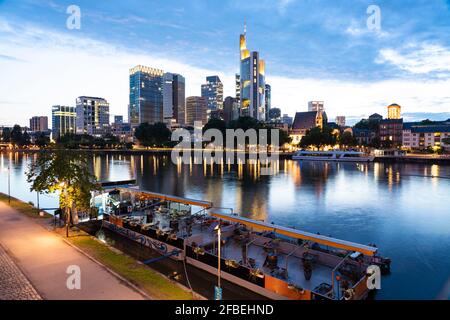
[428, 159]
[125, 277]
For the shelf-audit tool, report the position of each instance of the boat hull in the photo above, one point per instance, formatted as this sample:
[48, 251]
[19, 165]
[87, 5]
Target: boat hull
[327, 159]
[161, 247]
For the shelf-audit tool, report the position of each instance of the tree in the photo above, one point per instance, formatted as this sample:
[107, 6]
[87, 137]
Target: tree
[245, 123]
[367, 124]
[313, 137]
[274, 113]
[67, 173]
[42, 140]
[386, 144]
[6, 135]
[375, 142]
[153, 135]
[16, 135]
[215, 123]
[347, 139]
[318, 137]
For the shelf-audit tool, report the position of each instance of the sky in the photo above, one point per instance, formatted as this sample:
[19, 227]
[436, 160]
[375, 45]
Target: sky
[324, 50]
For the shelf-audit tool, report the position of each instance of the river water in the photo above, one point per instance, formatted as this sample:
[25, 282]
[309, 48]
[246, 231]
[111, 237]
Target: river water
[403, 208]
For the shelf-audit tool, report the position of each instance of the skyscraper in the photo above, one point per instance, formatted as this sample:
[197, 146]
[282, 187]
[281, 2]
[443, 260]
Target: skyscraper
[316, 106]
[63, 121]
[118, 119]
[174, 103]
[39, 124]
[230, 109]
[212, 90]
[252, 85]
[92, 116]
[196, 110]
[238, 88]
[267, 99]
[146, 95]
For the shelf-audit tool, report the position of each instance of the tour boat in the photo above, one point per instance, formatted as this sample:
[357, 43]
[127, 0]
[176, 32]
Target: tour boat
[274, 261]
[333, 155]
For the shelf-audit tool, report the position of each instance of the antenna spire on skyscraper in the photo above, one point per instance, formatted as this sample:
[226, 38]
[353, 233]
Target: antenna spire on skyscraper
[245, 27]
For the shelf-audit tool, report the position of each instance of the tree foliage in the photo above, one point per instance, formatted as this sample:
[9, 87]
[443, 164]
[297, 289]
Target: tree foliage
[318, 137]
[6, 135]
[247, 123]
[42, 140]
[66, 173]
[368, 124]
[347, 139]
[274, 113]
[153, 135]
[19, 138]
[85, 141]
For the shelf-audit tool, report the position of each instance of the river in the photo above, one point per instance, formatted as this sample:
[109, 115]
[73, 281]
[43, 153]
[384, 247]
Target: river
[403, 208]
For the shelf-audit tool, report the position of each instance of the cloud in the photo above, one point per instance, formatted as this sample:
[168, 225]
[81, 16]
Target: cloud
[283, 5]
[9, 58]
[424, 58]
[62, 66]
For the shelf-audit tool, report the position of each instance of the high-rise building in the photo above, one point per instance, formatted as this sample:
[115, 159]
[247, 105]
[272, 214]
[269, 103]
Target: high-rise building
[316, 106]
[92, 116]
[63, 121]
[230, 109]
[196, 110]
[340, 121]
[174, 103]
[252, 81]
[267, 100]
[394, 111]
[212, 90]
[118, 119]
[39, 124]
[146, 95]
[238, 88]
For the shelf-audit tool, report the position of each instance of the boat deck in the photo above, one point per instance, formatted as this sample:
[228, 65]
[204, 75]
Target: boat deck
[320, 274]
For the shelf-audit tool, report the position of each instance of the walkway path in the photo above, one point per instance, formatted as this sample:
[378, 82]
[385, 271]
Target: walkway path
[44, 258]
[13, 284]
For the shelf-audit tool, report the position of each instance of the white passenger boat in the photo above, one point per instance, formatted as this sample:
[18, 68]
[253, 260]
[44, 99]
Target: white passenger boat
[333, 155]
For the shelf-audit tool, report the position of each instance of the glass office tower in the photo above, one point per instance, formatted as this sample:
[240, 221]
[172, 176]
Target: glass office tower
[92, 116]
[252, 82]
[146, 95]
[174, 104]
[212, 91]
[63, 121]
[267, 100]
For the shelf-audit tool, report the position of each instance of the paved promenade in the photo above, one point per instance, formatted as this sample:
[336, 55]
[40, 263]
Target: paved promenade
[13, 283]
[44, 258]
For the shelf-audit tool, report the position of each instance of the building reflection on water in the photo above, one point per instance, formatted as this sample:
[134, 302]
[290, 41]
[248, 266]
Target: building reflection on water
[403, 208]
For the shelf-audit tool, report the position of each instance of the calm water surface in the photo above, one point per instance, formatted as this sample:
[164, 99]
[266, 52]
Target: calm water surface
[403, 208]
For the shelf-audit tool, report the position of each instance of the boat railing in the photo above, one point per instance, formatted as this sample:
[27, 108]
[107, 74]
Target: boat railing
[333, 273]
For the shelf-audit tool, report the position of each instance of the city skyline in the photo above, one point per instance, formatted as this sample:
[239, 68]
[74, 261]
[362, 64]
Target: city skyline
[413, 72]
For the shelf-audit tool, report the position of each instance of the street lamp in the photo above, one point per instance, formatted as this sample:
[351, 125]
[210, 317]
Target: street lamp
[218, 291]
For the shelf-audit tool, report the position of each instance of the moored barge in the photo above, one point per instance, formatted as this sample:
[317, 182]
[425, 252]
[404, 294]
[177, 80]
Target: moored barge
[273, 261]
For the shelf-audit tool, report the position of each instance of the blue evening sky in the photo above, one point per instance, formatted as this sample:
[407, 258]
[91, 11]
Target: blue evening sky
[316, 49]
